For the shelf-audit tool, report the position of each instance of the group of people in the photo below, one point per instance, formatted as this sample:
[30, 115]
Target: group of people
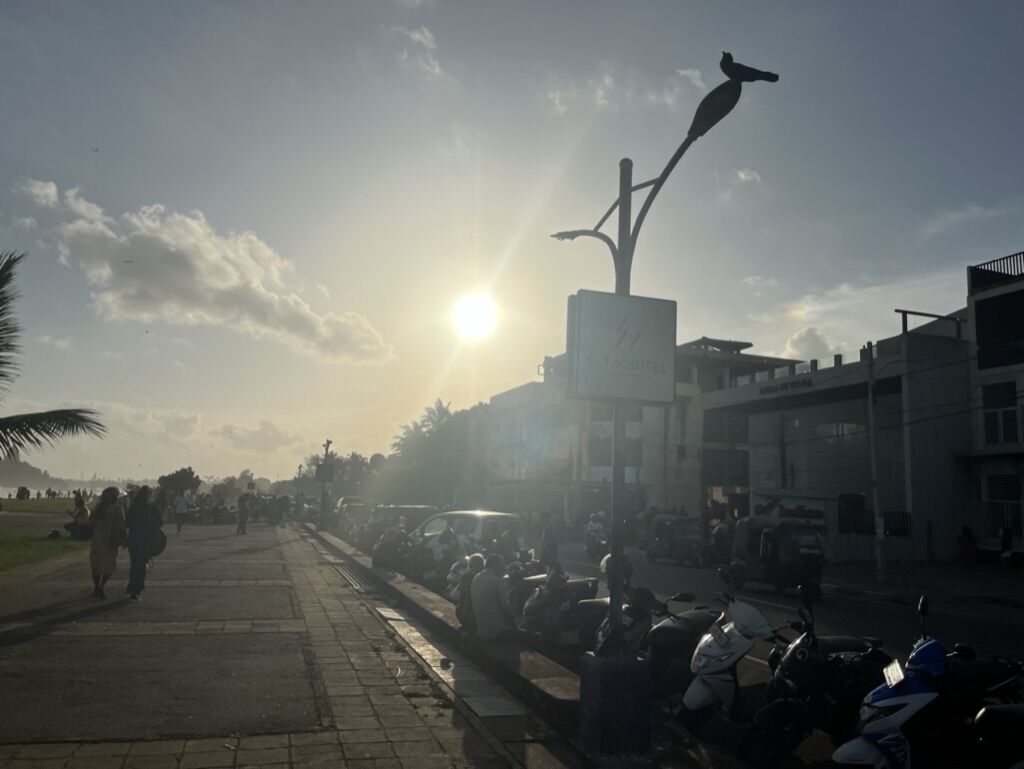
[132, 521]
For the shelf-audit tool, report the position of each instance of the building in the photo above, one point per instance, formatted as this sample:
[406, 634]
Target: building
[547, 451]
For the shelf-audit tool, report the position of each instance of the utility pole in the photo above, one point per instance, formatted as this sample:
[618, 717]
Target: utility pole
[873, 448]
[323, 482]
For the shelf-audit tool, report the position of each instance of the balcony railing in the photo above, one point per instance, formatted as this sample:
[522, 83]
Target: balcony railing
[992, 273]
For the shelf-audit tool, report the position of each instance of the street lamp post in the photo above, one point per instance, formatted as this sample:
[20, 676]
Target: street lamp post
[713, 107]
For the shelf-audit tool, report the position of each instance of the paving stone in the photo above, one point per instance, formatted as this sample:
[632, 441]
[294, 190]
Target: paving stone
[268, 766]
[260, 741]
[48, 750]
[164, 761]
[303, 753]
[426, 762]
[362, 735]
[155, 748]
[207, 760]
[408, 734]
[355, 750]
[213, 744]
[36, 763]
[417, 748]
[104, 749]
[313, 738]
[97, 762]
[361, 722]
[263, 756]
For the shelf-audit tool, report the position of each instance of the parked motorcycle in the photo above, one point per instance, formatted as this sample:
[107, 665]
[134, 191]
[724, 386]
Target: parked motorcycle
[596, 545]
[817, 682]
[932, 712]
[726, 642]
[551, 606]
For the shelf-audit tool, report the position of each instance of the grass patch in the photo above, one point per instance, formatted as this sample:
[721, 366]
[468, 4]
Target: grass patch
[38, 505]
[17, 549]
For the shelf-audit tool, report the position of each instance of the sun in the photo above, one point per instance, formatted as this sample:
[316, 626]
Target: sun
[474, 316]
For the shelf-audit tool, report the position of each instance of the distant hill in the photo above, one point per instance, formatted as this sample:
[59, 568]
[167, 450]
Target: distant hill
[17, 472]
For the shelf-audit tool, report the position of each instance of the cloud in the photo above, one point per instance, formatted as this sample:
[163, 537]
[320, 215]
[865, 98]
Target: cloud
[159, 266]
[694, 76]
[746, 176]
[24, 222]
[265, 437]
[758, 284]
[324, 291]
[42, 193]
[422, 52]
[807, 344]
[60, 342]
[948, 220]
[107, 355]
[412, 4]
[558, 101]
[83, 208]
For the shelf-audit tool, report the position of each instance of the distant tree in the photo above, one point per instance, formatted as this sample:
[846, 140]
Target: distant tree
[435, 416]
[180, 481]
[21, 432]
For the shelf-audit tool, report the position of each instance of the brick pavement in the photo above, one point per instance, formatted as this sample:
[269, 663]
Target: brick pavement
[367, 703]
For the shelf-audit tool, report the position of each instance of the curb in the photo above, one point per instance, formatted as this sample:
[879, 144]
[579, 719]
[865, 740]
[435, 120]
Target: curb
[549, 689]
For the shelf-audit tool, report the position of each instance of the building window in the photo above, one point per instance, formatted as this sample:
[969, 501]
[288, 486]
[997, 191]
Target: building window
[999, 402]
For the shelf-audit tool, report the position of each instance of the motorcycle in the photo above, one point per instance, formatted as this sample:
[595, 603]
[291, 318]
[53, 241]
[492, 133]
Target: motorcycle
[551, 606]
[932, 712]
[726, 642]
[596, 545]
[817, 682]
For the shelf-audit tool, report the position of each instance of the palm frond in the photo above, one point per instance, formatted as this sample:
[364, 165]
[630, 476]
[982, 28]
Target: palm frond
[9, 328]
[21, 432]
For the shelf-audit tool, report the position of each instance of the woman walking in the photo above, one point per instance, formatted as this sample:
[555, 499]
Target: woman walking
[107, 536]
[144, 522]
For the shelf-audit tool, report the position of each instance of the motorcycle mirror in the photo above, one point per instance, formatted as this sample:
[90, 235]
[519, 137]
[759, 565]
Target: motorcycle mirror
[922, 606]
[683, 598]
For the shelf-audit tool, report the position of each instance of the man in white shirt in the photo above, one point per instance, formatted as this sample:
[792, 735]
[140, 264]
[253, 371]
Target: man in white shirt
[180, 510]
[492, 613]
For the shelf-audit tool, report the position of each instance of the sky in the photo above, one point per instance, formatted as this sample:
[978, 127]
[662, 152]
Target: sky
[247, 222]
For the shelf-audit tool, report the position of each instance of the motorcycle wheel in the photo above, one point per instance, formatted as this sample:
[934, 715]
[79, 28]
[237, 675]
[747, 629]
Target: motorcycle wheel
[694, 719]
[776, 732]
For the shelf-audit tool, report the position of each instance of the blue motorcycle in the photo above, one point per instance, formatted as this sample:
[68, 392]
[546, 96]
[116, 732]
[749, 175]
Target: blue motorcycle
[942, 709]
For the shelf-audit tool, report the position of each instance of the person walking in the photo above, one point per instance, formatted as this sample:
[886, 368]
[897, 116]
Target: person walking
[108, 535]
[144, 522]
[548, 549]
[243, 515]
[180, 510]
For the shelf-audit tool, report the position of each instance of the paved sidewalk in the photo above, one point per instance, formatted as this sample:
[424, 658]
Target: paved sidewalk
[245, 651]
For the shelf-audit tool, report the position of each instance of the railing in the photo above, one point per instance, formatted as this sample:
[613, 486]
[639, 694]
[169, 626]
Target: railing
[996, 271]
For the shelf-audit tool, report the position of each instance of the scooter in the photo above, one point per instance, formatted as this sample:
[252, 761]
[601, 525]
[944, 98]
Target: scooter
[726, 642]
[551, 606]
[933, 711]
[596, 545]
[817, 682]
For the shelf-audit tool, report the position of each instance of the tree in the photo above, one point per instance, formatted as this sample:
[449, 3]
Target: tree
[21, 432]
[180, 481]
[435, 416]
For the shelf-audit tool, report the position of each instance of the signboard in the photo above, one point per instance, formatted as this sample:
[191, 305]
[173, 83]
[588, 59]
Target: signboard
[621, 347]
[324, 472]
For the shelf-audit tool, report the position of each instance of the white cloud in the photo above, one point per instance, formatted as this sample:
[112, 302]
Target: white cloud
[558, 101]
[81, 207]
[60, 342]
[694, 76]
[421, 54]
[806, 344]
[43, 193]
[324, 291]
[158, 266]
[746, 176]
[265, 437]
[758, 283]
[24, 222]
[602, 91]
[412, 4]
[948, 220]
[107, 355]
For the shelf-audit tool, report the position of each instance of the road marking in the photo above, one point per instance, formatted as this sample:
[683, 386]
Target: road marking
[767, 603]
[758, 660]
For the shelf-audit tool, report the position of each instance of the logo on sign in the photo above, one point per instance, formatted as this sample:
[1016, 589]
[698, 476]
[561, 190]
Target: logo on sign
[626, 335]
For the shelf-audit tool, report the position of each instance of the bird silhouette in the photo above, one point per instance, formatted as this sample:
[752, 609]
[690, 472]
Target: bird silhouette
[741, 72]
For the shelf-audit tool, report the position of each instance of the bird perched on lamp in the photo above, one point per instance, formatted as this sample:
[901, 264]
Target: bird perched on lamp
[741, 72]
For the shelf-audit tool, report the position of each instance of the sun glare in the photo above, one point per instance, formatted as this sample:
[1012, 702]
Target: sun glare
[474, 316]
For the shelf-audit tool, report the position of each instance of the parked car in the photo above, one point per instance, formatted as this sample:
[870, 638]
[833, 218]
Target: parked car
[351, 519]
[474, 529]
[677, 538]
[384, 517]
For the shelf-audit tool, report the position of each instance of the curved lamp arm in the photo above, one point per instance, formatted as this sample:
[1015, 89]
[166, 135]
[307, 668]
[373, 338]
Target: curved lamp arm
[672, 163]
[573, 234]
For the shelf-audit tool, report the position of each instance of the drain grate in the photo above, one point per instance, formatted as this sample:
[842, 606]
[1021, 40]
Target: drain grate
[353, 578]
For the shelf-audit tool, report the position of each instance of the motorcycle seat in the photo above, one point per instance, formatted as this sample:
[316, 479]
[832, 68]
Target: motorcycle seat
[977, 675]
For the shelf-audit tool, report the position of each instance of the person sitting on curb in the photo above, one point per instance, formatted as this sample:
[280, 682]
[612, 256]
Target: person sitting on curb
[492, 613]
[464, 608]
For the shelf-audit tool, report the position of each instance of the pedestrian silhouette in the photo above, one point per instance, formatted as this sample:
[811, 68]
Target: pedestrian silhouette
[741, 72]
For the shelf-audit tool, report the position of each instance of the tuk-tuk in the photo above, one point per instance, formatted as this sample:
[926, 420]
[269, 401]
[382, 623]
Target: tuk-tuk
[781, 546]
[677, 538]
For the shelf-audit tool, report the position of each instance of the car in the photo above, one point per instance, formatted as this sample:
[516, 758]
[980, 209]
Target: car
[476, 528]
[677, 538]
[384, 517]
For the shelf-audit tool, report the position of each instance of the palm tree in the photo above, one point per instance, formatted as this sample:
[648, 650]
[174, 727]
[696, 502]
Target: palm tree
[435, 416]
[21, 432]
[409, 440]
